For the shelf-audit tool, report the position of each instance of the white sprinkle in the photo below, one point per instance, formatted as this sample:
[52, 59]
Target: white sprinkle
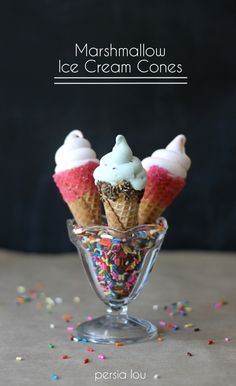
[155, 307]
[58, 300]
[77, 231]
[156, 376]
[106, 236]
[18, 359]
[52, 325]
[50, 301]
[76, 299]
[21, 289]
[49, 307]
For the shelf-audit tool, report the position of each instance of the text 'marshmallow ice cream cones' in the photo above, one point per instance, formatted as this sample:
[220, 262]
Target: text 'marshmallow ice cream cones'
[75, 164]
[120, 179]
[166, 177]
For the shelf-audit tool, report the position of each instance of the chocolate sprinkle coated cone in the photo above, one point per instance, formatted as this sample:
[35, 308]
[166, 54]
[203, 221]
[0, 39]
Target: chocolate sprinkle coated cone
[86, 209]
[121, 204]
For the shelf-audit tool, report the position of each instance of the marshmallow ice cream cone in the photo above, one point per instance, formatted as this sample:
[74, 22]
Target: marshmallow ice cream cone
[75, 164]
[166, 177]
[120, 179]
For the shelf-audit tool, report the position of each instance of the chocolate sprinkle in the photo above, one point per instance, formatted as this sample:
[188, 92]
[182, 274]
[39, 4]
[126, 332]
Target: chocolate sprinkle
[108, 191]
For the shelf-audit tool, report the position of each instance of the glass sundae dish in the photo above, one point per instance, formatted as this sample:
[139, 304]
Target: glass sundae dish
[118, 264]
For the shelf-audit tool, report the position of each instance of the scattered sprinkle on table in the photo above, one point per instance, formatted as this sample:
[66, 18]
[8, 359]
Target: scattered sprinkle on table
[70, 328]
[19, 359]
[67, 317]
[188, 325]
[58, 300]
[54, 377]
[220, 304]
[155, 307]
[210, 342]
[20, 300]
[90, 349]
[76, 299]
[169, 325]
[196, 329]
[52, 325]
[181, 307]
[226, 339]
[156, 376]
[85, 360]
[51, 345]
[65, 356]
[101, 357]
[50, 302]
[189, 354]
[21, 289]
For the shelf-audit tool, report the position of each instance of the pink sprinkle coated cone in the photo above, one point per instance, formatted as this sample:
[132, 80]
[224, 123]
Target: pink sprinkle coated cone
[79, 191]
[160, 191]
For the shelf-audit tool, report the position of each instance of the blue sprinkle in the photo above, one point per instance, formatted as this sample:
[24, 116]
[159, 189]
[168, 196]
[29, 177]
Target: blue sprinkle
[54, 377]
[77, 339]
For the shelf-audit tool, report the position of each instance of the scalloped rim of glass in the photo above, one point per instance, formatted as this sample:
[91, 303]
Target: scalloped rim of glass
[72, 225]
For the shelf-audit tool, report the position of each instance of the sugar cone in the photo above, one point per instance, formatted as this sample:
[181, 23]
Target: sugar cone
[160, 191]
[149, 212]
[121, 214]
[121, 203]
[86, 209]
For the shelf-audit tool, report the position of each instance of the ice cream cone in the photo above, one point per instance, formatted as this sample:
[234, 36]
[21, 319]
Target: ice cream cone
[160, 191]
[80, 193]
[166, 174]
[120, 179]
[76, 162]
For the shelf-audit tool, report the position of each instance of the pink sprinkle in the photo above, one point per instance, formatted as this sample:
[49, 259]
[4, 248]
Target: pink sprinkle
[89, 317]
[90, 349]
[101, 357]
[218, 306]
[34, 295]
[162, 323]
[70, 328]
[226, 339]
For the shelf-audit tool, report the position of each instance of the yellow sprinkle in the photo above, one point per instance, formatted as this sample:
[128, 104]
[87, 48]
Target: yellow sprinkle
[152, 231]
[18, 359]
[188, 309]
[187, 325]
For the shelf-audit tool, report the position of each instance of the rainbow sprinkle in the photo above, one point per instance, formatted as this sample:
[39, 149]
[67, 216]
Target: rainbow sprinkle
[117, 262]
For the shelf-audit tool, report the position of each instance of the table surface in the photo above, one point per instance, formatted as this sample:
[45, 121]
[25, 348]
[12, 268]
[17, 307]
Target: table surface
[202, 278]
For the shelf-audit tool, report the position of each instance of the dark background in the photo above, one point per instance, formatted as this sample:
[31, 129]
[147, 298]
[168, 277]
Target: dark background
[35, 115]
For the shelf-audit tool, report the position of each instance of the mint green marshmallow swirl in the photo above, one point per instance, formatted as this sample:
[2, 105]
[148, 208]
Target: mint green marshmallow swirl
[120, 165]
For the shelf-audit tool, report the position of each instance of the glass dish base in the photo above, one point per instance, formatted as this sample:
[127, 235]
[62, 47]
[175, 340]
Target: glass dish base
[110, 330]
